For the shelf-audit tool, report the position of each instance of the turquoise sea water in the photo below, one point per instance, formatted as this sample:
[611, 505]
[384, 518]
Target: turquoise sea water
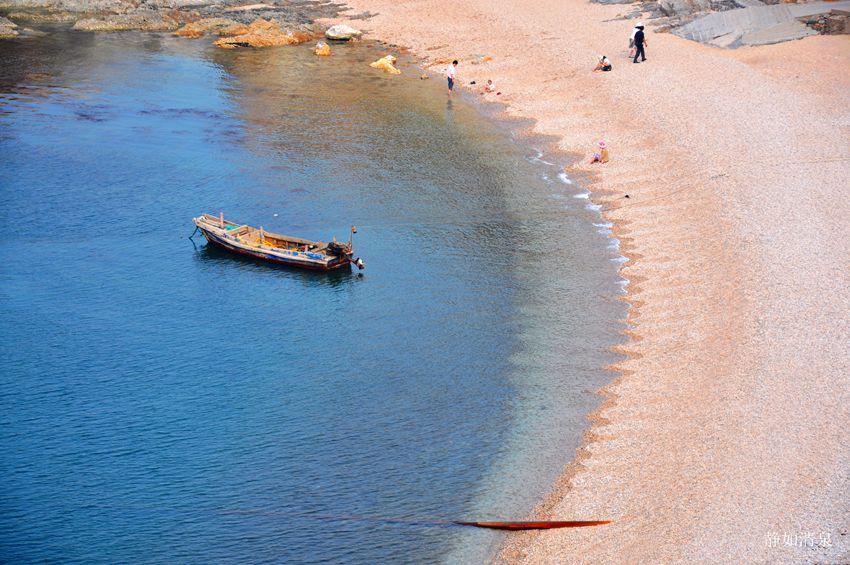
[164, 401]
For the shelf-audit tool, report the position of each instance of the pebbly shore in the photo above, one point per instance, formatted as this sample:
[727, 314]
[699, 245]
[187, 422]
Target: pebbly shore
[724, 439]
[725, 435]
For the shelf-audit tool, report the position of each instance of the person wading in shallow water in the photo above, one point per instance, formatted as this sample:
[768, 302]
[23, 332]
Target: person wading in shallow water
[450, 76]
[640, 43]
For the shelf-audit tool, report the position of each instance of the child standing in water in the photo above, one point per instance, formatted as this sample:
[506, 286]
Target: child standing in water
[450, 76]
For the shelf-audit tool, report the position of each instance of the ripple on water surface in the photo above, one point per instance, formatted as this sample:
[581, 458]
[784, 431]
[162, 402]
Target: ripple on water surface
[164, 400]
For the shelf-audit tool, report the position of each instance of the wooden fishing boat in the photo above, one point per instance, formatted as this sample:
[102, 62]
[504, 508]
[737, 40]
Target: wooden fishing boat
[276, 248]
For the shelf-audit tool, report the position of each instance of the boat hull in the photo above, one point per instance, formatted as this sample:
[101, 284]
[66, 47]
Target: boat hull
[292, 259]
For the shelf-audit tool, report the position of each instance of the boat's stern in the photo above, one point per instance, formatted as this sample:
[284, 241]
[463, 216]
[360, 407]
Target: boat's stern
[358, 262]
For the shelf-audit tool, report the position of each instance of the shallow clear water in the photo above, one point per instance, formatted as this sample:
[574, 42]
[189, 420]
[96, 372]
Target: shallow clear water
[162, 400]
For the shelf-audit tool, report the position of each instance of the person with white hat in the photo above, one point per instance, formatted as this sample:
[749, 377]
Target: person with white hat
[634, 31]
[602, 155]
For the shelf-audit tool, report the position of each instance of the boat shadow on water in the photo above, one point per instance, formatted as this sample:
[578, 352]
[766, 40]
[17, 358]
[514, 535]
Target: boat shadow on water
[213, 256]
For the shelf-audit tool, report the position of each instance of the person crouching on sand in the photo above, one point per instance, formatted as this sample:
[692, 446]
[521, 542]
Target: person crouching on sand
[600, 156]
[603, 65]
[450, 76]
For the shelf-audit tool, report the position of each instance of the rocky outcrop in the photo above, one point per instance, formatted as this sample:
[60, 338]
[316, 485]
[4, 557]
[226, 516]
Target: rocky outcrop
[8, 28]
[264, 33]
[180, 4]
[342, 32]
[683, 7]
[386, 64]
[147, 20]
[209, 25]
[758, 25]
[322, 49]
[258, 25]
[249, 8]
[44, 17]
[732, 23]
[76, 6]
[235, 29]
[98, 15]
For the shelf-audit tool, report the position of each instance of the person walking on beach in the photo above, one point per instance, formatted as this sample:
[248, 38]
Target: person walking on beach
[450, 76]
[632, 38]
[640, 43]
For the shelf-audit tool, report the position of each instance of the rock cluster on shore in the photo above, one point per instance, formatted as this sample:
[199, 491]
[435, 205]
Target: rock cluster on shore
[142, 21]
[733, 23]
[744, 22]
[219, 26]
[263, 33]
[286, 22]
[342, 32]
[763, 25]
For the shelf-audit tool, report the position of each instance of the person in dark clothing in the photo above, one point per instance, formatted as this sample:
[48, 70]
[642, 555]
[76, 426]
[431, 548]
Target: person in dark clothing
[640, 42]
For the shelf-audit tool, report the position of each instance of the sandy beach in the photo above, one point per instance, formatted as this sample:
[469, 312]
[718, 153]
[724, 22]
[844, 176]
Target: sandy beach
[725, 438]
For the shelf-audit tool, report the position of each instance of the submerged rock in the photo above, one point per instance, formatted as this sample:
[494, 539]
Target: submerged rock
[322, 49]
[207, 25]
[342, 32]
[263, 33]
[141, 21]
[386, 64]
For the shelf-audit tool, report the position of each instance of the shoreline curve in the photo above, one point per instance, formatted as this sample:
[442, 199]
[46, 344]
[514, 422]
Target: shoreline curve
[724, 437]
